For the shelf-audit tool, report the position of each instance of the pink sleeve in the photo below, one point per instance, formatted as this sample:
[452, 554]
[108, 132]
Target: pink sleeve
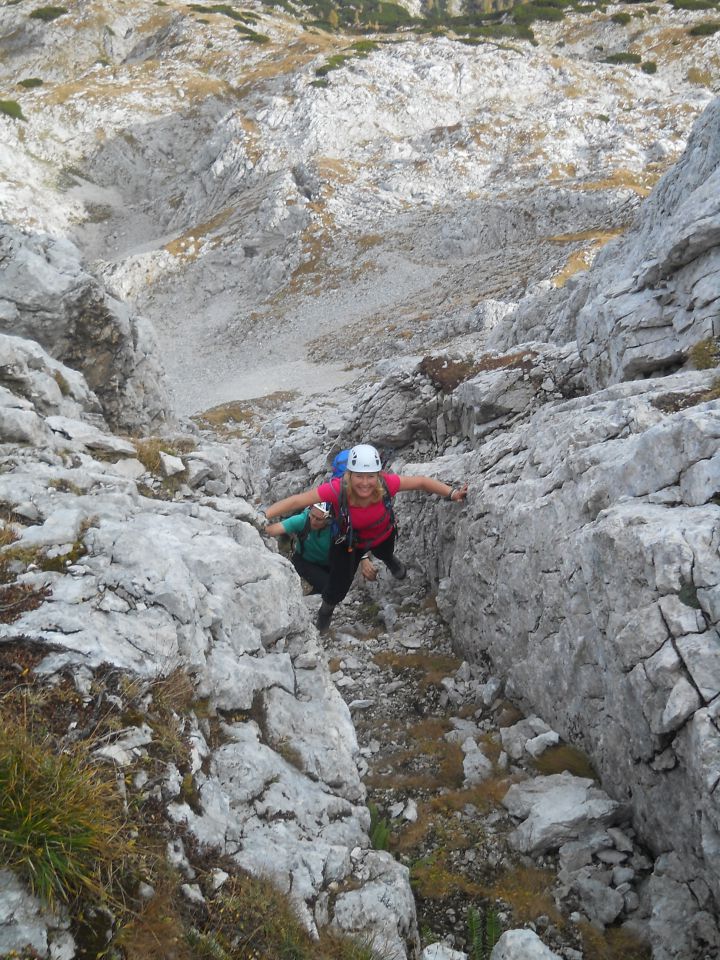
[329, 491]
[393, 483]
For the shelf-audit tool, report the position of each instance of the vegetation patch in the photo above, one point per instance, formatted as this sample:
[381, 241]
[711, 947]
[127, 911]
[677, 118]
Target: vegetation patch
[47, 13]
[673, 402]
[705, 28]
[527, 891]
[705, 354]
[250, 917]
[61, 822]
[623, 57]
[622, 18]
[30, 82]
[614, 943]
[251, 35]
[434, 668]
[564, 757]
[693, 4]
[236, 418]
[11, 108]
[224, 9]
[529, 12]
[446, 374]
[649, 66]
[150, 448]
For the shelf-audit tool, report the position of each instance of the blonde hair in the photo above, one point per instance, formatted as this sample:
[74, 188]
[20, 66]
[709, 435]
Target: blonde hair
[377, 493]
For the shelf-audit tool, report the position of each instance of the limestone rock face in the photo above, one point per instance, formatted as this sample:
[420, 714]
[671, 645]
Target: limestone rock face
[651, 294]
[150, 586]
[47, 296]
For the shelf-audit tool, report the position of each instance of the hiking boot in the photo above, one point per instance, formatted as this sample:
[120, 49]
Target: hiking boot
[324, 617]
[397, 568]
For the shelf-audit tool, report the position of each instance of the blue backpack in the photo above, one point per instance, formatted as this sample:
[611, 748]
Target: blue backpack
[339, 464]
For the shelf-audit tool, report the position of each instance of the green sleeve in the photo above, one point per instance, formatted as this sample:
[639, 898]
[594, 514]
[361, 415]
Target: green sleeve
[295, 524]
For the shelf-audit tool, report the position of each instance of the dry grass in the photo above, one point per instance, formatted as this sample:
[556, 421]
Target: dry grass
[61, 822]
[564, 757]
[705, 354]
[433, 667]
[614, 943]
[446, 374]
[237, 417]
[581, 259]
[194, 241]
[150, 448]
[526, 890]
[641, 182]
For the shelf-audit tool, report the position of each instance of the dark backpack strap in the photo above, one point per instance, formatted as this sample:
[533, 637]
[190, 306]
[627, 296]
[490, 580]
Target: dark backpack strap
[302, 536]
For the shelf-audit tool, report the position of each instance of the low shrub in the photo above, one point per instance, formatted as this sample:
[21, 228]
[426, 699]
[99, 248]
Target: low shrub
[251, 36]
[30, 82]
[11, 108]
[623, 58]
[528, 12]
[225, 10]
[705, 29]
[622, 18]
[48, 13]
[648, 66]
[693, 4]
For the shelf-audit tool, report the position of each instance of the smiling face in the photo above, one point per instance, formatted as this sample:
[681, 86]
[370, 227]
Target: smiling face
[317, 519]
[363, 485]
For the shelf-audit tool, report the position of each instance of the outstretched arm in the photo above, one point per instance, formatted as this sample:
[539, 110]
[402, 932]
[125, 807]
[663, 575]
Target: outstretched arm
[292, 504]
[274, 530]
[430, 485]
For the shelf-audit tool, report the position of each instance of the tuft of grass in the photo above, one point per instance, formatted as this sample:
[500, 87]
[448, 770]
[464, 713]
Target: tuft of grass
[564, 757]
[150, 448]
[447, 373]
[705, 354]
[47, 14]
[61, 824]
[30, 82]
[379, 829]
[432, 878]
[434, 667]
[622, 18]
[706, 28]
[11, 108]
[648, 66]
[250, 917]
[693, 4]
[528, 892]
[614, 943]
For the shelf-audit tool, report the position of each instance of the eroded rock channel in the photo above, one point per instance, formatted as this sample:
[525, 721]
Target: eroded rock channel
[500, 824]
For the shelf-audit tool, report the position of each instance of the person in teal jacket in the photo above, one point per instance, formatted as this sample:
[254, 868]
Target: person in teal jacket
[312, 537]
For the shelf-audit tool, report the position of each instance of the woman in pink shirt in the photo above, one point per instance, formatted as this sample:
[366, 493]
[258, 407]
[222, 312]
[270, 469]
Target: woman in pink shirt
[362, 505]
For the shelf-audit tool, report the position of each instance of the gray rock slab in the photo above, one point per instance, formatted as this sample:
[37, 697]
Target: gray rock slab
[556, 809]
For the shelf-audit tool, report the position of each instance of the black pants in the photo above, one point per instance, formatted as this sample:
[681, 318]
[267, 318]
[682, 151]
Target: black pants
[344, 564]
[315, 574]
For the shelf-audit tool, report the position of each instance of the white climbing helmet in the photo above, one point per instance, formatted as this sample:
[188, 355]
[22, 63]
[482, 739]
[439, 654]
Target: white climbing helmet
[324, 508]
[364, 459]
